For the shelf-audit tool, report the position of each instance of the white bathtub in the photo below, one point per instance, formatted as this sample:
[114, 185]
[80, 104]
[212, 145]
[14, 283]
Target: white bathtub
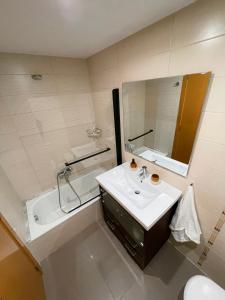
[44, 212]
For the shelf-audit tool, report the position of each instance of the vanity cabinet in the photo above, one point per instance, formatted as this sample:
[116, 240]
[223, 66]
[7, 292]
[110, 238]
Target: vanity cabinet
[141, 244]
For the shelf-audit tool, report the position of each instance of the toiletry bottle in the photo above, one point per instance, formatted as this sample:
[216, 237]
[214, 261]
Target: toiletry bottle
[133, 164]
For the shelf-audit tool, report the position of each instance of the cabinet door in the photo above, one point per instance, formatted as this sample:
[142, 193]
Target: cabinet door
[19, 277]
[130, 225]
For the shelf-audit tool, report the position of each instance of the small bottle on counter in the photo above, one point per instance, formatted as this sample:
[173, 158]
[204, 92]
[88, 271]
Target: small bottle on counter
[133, 164]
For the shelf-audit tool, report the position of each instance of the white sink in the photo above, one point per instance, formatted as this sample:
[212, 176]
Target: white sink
[146, 202]
[128, 184]
[202, 288]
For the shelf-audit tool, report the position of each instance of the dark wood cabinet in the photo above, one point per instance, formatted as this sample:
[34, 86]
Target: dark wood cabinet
[141, 244]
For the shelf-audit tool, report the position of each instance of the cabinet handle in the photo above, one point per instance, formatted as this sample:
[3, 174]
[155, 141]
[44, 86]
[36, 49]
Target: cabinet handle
[130, 250]
[111, 225]
[133, 243]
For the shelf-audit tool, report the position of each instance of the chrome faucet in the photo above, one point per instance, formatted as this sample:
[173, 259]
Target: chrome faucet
[143, 173]
[65, 171]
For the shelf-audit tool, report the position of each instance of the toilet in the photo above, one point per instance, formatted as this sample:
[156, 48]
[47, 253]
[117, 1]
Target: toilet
[202, 288]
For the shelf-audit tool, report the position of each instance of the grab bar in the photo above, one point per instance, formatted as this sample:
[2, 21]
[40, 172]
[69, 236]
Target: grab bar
[86, 157]
[137, 137]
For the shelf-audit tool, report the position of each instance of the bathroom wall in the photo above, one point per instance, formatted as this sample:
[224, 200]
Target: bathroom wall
[11, 207]
[192, 40]
[41, 120]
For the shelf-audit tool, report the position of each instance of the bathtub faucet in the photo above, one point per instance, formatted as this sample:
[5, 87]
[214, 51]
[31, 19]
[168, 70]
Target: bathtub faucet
[65, 172]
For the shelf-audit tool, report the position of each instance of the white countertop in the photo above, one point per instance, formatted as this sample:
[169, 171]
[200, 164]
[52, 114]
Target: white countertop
[150, 214]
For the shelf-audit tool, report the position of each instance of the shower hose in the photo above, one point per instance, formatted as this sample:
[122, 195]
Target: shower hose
[60, 203]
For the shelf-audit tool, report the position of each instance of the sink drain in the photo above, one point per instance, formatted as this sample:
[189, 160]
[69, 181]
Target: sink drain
[137, 192]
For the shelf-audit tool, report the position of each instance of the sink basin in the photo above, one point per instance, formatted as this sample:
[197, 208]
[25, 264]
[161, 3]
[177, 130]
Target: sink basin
[202, 288]
[139, 192]
[145, 201]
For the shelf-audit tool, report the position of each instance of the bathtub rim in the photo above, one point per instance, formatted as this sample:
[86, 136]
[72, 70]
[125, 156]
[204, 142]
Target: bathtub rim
[37, 230]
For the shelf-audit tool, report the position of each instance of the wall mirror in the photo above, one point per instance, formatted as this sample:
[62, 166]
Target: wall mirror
[161, 118]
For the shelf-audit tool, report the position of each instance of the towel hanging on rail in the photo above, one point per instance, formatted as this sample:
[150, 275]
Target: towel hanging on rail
[185, 225]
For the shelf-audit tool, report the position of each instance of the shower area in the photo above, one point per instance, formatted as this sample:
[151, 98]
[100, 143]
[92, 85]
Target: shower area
[57, 135]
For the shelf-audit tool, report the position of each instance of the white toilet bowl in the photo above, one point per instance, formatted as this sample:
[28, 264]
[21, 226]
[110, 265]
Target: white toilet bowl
[202, 288]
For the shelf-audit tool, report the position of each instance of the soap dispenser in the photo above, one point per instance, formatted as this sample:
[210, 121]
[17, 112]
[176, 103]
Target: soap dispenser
[133, 164]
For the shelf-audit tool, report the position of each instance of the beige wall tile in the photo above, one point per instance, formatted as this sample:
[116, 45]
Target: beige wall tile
[3, 107]
[72, 83]
[23, 84]
[104, 60]
[212, 127]
[43, 102]
[75, 99]
[202, 57]
[214, 266]
[78, 115]
[68, 66]
[20, 173]
[9, 142]
[77, 135]
[12, 206]
[24, 64]
[216, 101]
[200, 21]
[25, 124]
[107, 80]
[40, 157]
[49, 120]
[144, 67]
[17, 104]
[7, 125]
[152, 40]
[219, 245]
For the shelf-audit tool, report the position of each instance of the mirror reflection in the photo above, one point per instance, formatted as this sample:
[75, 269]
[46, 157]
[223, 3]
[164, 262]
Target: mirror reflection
[161, 118]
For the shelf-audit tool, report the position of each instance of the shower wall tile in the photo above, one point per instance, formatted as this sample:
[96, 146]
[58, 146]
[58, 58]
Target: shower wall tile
[43, 102]
[25, 124]
[13, 85]
[24, 64]
[40, 158]
[9, 142]
[72, 83]
[20, 173]
[191, 40]
[74, 99]
[75, 115]
[7, 125]
[77, 135]
[18, 104]
[4, 107]
[68, 66]
[49, 120]
[43, 119]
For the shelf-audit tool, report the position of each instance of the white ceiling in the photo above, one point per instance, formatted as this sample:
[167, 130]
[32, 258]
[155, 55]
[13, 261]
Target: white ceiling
[75, 28]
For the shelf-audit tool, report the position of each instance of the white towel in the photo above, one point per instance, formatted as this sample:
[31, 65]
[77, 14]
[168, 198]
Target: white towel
[185, 225]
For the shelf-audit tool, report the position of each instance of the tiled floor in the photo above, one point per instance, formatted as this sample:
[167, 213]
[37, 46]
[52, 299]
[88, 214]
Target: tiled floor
[94, 266]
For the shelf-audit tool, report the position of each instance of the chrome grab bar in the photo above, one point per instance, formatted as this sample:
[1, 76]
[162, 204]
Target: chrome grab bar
[86, 157]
